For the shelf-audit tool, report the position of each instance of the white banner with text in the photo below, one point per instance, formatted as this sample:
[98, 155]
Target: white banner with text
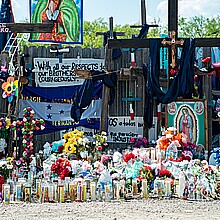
[50, 73]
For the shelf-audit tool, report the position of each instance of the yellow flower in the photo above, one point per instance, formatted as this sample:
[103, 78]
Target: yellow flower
[70, 148]
[65, 136]
[75, 131]
[8, 122]
[8, 159]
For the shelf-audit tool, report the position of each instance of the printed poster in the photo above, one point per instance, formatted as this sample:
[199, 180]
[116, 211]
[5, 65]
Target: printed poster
[189, 118]
[66, 16]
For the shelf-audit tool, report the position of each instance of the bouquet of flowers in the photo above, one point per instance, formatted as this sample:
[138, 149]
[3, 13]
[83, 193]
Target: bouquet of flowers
[106, 159]
[61, 167]
[128, 157]
[75, 142]
[100, 141]
[140, 141]
[4, 123]
[146, 172]
[165, 173]
[188, 150]
[5, 169]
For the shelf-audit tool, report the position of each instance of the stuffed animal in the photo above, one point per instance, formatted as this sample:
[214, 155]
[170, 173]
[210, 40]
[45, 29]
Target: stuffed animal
[47, 150]
[57, 145]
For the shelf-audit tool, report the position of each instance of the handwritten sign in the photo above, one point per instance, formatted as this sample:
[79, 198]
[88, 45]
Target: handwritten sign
[4, 28]
[122, 129]
[49, 72]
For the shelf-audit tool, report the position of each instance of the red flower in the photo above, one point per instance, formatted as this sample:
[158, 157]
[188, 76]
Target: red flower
[173, 71]
[1, 180]
[61, 167]
[206, 60]
[60, 149]
[147, 167]
[129, 156]
[165, 173]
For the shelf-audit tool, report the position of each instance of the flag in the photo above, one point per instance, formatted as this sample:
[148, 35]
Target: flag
[59, 112]
[57, 115]
[6, 16]
[54, 106]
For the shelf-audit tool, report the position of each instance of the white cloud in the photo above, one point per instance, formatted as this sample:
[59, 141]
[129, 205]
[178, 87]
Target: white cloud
[190, 8]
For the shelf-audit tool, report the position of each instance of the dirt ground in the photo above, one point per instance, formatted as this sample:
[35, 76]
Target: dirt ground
[154, 209]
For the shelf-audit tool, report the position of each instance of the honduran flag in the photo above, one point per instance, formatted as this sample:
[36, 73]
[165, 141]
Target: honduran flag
[54, 106]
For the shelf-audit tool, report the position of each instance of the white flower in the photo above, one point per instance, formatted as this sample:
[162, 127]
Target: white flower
[103, 133]
[9, 167]
[169, 136]
[80, 141]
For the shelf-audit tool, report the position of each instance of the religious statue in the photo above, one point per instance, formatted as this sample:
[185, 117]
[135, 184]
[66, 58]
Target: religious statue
[65, 16]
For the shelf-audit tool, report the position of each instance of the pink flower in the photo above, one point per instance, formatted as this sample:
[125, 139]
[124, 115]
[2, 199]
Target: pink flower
[132, 140]
[99, 148]
[105, 158]
[144, 140]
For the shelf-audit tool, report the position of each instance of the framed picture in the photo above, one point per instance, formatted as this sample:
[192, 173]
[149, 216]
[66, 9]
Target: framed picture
[189, 117]
[66, 16]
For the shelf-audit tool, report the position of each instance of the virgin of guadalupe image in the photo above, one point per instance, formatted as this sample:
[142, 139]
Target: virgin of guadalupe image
[65, 17]
[187, 124]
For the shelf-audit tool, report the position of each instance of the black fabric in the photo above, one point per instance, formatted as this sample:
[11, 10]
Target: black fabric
[114, 79]
[143, 32]
[116, 53]
[182, 84]
[83, 97]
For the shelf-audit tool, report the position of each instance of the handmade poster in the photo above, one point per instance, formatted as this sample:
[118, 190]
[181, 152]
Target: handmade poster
[50, 73]
[66, 16]
[189, 118]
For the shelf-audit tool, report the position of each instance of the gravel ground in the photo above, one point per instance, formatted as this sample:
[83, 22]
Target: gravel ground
[154, 209]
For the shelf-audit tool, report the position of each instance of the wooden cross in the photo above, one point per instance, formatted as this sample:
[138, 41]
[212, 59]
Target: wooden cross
[60, 50]
[173, 43]
[111, 31]
[173, 28]
[144, 20]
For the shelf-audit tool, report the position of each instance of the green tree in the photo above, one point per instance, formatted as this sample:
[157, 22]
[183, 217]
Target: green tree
[90, 40]
[199, 26]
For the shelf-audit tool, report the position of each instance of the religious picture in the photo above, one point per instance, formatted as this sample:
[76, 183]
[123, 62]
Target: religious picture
[199, 107]
[172, 108]
[186, 124]
[189, 118]
[66, 16]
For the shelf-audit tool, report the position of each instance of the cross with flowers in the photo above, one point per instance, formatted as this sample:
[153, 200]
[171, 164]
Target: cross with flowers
[27, 127]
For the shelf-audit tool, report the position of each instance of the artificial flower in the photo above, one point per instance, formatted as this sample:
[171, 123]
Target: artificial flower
[128, 157]
[140, 141]
[10, 88]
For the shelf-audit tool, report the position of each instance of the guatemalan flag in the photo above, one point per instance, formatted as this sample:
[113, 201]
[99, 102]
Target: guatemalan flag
[54, 106]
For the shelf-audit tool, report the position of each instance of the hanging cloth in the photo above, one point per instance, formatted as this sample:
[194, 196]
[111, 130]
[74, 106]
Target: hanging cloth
[182, 84]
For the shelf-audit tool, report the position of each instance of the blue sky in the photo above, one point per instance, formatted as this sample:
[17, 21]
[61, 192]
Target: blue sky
[128, 11]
